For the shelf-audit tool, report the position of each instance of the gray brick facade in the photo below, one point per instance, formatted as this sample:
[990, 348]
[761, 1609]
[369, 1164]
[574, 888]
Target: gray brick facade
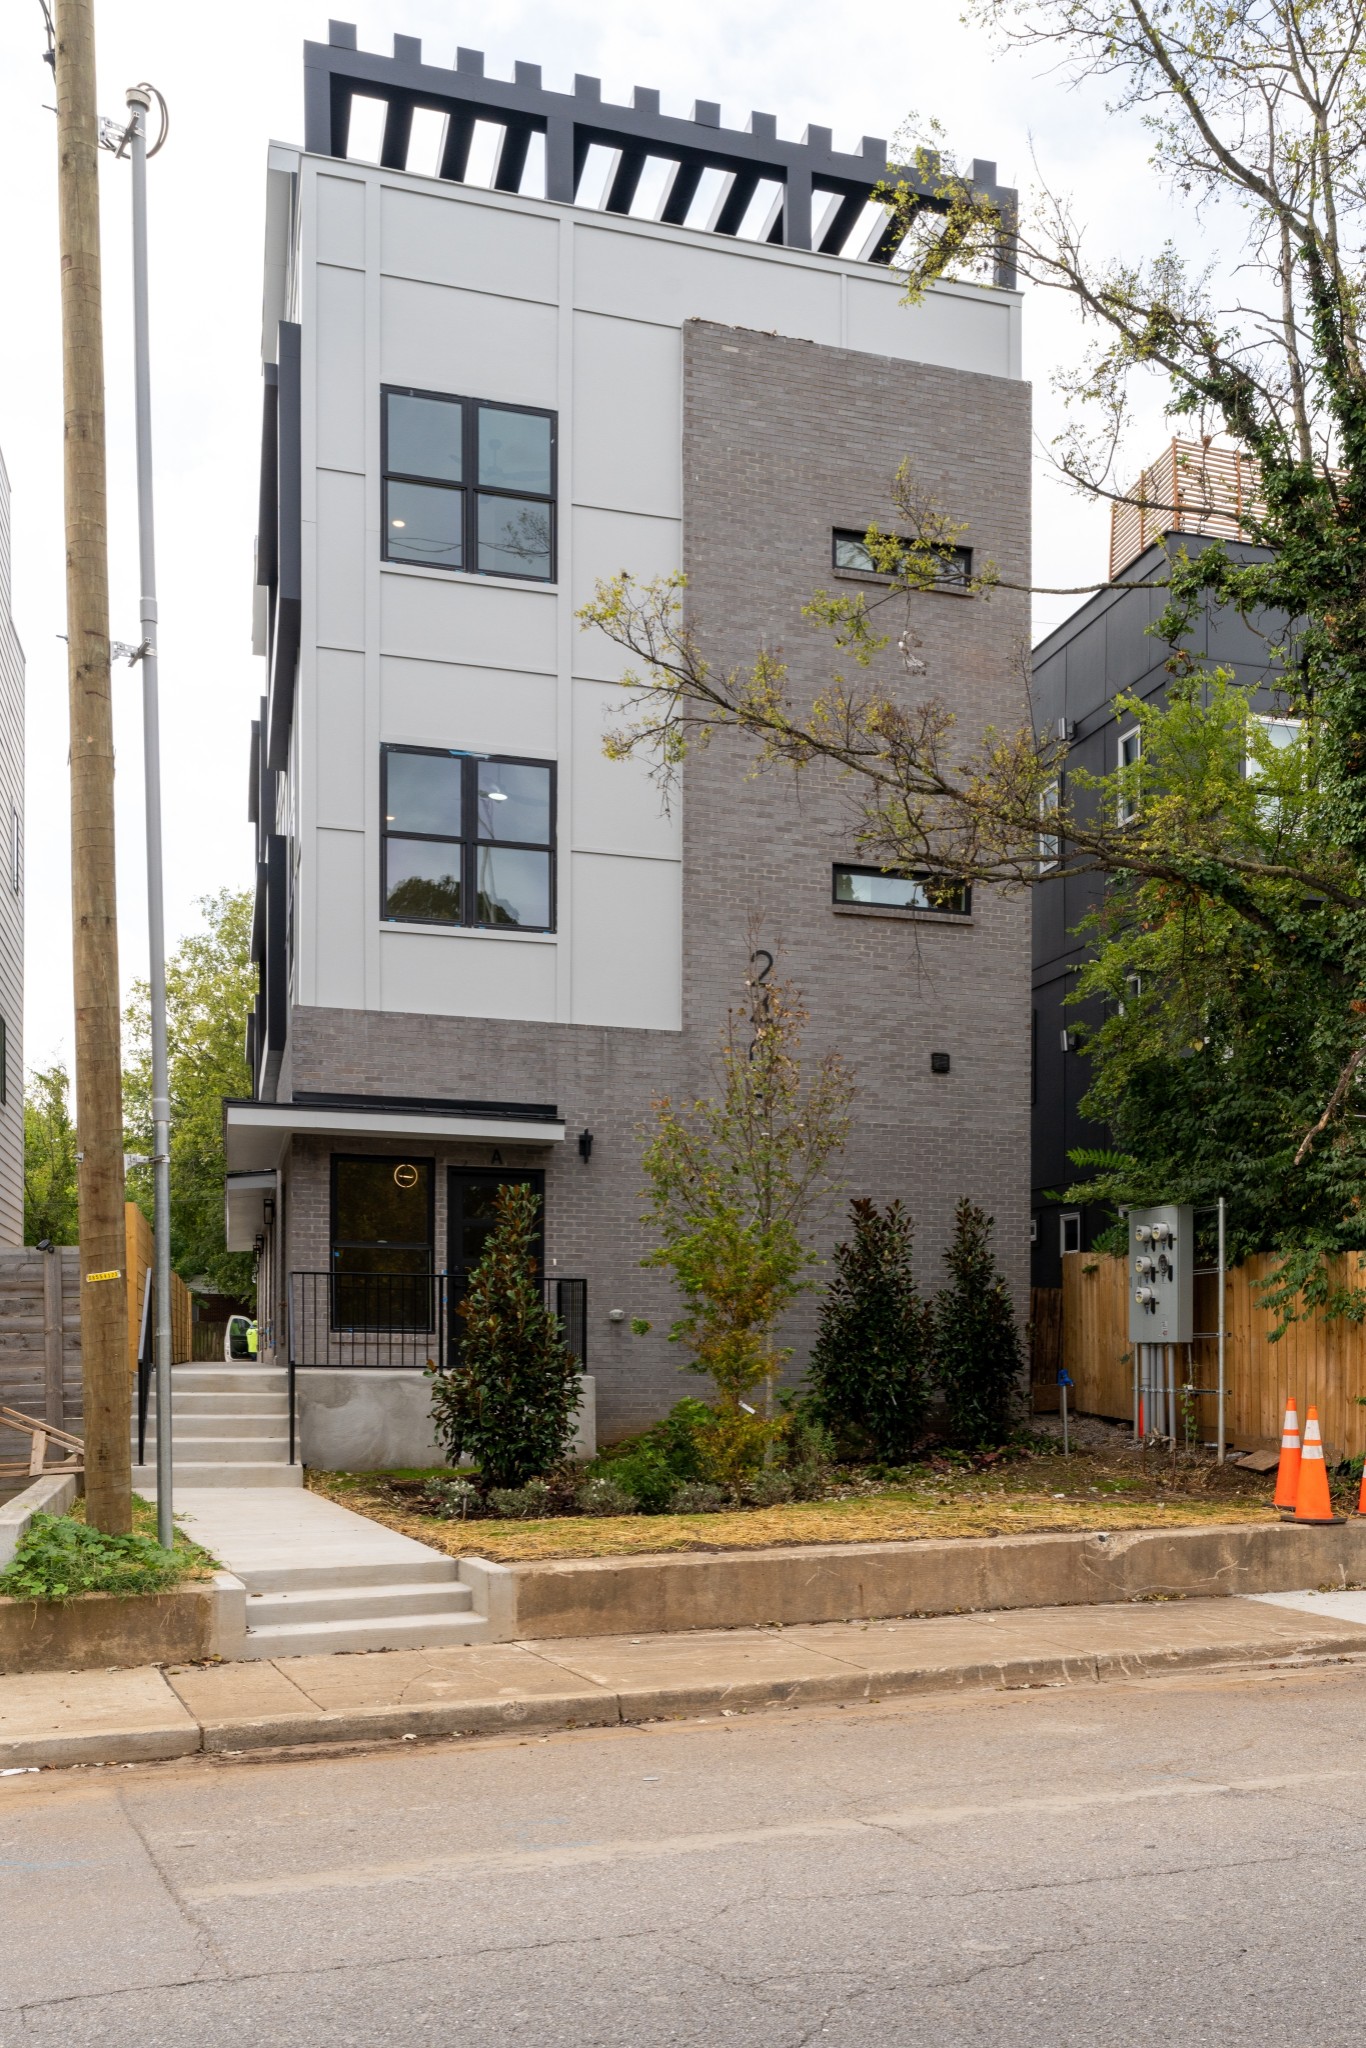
[784, 440]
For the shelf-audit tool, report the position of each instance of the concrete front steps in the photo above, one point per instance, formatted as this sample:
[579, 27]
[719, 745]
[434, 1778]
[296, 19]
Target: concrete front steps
[230, 1427]
[322, 1579]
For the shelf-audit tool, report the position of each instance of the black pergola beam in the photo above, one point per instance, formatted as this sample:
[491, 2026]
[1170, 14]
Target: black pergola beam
[573, 122]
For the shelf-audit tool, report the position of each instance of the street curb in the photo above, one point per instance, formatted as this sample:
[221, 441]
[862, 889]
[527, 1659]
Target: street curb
[611, 1707]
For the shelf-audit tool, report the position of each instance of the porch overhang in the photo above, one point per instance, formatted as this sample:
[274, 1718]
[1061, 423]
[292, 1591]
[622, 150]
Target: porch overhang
[257, 1135]
[244, 1207]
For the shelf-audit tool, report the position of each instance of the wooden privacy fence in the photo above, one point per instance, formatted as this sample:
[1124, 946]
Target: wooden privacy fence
[137, 1233]
[1323, 1363]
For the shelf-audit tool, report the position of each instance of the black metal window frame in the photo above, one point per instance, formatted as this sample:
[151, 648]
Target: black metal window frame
[961, 908]
[356, 1281]
[954, 573]
[469, 489]
[469, 843]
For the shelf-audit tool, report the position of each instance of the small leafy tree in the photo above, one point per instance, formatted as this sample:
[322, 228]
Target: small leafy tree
[509, 1400]
[978, 1357]
[49, 1158]
[732, 1181]
[870, 1368]
[210, 987]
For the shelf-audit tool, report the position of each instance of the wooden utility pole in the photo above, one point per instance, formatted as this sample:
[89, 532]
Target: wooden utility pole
[99, 1091]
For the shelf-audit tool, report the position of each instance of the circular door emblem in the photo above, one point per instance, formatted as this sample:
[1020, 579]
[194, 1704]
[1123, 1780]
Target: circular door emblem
[405, 1176]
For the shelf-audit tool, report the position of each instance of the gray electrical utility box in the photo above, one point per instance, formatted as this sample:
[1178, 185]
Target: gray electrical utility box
[1161, 1275]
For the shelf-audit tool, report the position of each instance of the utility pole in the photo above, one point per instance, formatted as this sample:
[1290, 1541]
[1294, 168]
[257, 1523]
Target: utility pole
[99, 1091]
[139, 104]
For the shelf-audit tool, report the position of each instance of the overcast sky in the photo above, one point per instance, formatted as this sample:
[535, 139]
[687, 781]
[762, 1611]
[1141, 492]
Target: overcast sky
[233, 79]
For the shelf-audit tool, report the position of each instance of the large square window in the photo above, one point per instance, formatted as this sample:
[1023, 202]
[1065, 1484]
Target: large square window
[469, 839]
[468, 484]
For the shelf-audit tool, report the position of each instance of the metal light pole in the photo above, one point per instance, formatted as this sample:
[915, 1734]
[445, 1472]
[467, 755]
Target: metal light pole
[139, 98]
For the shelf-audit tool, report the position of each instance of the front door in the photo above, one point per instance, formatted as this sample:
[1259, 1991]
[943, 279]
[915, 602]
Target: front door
[471, 1197]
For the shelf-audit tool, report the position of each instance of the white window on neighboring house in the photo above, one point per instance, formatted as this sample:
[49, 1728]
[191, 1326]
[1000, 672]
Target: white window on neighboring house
[1282, 732]
[1050, 845]
[1133, 989]
[1069, 1230]
[1130, 754]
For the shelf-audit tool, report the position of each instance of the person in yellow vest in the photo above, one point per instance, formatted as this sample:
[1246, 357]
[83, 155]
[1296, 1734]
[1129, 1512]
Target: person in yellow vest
[253, 1339]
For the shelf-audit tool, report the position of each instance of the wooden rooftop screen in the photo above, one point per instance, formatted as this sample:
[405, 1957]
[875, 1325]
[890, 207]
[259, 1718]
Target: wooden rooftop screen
[1189, 489]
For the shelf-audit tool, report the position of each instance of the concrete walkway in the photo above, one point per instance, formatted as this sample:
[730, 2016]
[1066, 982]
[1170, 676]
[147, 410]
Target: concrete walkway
[140, 1715]
[320, 1578]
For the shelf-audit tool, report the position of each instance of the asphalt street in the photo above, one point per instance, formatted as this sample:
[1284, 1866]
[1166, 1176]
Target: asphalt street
[1170, 1861]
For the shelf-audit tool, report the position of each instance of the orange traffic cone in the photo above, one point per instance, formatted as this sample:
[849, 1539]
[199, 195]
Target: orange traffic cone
[1361, 1502]
[1313, 1503]
[1288, 1471]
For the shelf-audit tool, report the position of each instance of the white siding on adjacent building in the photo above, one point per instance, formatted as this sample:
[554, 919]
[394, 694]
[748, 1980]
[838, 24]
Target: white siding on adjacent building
[11, 897]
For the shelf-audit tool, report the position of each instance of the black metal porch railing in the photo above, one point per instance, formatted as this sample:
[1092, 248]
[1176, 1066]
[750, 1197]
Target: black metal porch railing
[400, 1321]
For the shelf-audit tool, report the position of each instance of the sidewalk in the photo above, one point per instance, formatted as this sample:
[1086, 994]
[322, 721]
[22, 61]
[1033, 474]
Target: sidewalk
[150, 1713]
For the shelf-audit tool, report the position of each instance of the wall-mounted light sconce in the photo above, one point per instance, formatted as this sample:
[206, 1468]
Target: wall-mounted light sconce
[939, 1063]
[585, 1146]
[268, 1211]
[616, 1315]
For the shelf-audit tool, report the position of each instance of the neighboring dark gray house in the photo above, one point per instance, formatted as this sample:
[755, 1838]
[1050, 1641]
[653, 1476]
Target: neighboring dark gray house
[1104, 649]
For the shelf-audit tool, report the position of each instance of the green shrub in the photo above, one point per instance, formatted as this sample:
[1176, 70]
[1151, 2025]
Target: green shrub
[870, 1366]
[456, 1499]
[677, 1451]
[601, 1495]
[772, 1489]
[977, 1345]
[530, 1503]
[697, 1498]
[60, 1557]
[509, 1400]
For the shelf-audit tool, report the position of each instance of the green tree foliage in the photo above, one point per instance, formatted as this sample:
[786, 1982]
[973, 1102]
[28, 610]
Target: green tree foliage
[49, 1157]
[870, 1365]
[732, 1180]
[978, 1359]
[1247, 904]
[210, 988]
[509, 1400]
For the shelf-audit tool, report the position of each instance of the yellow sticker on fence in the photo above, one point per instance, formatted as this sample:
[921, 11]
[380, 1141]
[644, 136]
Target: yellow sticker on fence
[115, 1273]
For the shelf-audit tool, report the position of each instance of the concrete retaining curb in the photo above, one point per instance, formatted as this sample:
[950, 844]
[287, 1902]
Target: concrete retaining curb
[138, 1716]
[52, 1495]
[871, 1581]
[98, 1630]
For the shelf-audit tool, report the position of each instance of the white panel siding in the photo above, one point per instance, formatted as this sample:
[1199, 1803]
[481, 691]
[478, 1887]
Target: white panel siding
[471, 619]
[617, 808]
[492, 247]
[603, 544]
[341, 221]
[340, 343]
[343, 904]
[628, 415]
[341, 544]
[962, 334]
[458, 289]
[627, 963]
[11, 900]
[341, 763]
[467, 342]
[648, 277]
[494, 711]
[457, 974]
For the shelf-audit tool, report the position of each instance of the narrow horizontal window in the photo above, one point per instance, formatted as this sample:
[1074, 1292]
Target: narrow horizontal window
[468, 839]
[468, 484]
[876, 890]
[850, 552]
